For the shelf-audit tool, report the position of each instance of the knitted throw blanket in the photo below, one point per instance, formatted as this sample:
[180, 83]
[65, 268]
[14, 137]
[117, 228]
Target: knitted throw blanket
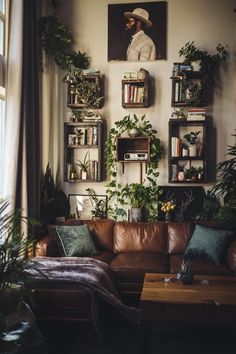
[82, 273]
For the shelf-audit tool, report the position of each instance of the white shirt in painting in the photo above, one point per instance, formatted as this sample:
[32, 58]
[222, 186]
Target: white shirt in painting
[141, 48]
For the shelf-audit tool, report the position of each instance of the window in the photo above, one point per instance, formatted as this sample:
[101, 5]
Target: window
[2, 85]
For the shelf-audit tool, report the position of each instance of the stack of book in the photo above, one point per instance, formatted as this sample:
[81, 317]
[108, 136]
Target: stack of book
[133, 93]
[196, 113]
[175, 146]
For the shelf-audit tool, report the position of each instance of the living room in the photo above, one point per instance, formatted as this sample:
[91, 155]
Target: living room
[207, 24]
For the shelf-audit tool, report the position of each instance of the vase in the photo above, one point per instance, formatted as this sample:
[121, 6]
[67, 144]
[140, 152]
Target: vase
[168, 216]
[134, 132]
[136, 214]
[192, 150]
[83, 175]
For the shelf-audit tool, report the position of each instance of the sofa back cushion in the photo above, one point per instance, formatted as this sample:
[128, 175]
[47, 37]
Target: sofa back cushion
[140, 237]
[101, 231]
[178, 237]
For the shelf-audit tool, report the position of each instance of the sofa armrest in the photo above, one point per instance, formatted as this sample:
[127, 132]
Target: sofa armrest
[231, 256]
[46, 247]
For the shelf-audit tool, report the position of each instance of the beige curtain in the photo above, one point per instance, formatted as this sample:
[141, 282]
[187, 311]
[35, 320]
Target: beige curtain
[52, 126]
[51, 113]
[13, 103]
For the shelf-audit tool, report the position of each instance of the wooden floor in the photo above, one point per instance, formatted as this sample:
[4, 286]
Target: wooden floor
[160, 337]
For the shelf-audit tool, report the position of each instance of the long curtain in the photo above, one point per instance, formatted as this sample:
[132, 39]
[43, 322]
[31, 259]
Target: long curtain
[22, 143]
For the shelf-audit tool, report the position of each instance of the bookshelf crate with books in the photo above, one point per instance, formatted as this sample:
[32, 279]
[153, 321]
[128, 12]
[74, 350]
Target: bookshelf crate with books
[83, 151]
[186, 86]
[185, 166]
[135, 91]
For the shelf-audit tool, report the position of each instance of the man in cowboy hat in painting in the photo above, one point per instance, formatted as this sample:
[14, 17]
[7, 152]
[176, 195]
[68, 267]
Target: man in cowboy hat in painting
[141, 46]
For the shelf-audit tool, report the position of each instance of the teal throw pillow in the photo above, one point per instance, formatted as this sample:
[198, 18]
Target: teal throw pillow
[208, 244]
[76, 241]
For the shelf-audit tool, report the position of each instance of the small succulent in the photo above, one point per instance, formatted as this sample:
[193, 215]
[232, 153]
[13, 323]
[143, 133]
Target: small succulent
[185, 275]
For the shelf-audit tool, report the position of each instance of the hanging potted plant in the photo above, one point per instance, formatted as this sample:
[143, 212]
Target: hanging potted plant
[192, 139]
[208, 66]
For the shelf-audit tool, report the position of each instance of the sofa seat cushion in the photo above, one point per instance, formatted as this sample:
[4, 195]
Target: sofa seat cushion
[104, 256]
[140, 237]
[199, 266]
[131, 266]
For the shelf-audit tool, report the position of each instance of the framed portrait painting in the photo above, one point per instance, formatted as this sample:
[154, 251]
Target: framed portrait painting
[85, 207]
[137, 31]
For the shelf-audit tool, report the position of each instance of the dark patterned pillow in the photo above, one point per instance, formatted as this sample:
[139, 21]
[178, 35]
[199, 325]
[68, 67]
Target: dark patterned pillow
[74, 240]
[208, 244]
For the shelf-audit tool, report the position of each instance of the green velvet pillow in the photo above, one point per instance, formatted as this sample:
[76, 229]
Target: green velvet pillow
[208, 244]
[75, 241]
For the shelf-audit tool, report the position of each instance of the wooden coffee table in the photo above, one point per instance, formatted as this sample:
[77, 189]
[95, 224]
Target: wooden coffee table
[207, 298]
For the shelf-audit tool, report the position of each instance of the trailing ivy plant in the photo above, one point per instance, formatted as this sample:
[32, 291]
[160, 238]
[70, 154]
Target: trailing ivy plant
[56, 40]
[209, 65]
[119, 196]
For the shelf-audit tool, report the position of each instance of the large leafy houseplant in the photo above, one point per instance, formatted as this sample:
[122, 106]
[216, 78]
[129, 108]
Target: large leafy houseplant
[17, 326]
[119, 195]
[54, 202]
[220, 201]
[225, 188]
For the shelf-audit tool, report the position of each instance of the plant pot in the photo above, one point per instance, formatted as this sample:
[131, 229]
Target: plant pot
[136, 214]
[196, 65]
[192, 150]
[83, 175]
[185, 278]
[134, 132]
[181, 176]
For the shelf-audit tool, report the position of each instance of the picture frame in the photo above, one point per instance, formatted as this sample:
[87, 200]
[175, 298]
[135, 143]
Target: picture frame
[119, 35]
[83, 207]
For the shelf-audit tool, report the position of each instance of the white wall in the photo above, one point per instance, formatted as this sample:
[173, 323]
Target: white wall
[207, 22]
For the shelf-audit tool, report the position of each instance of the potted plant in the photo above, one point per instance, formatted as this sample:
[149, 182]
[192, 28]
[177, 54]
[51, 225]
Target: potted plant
[208, 64]
[53, 201]
[99, 205]
[192, 139]
[191, 173]
[18, 330]
[57, 40]
[86, 93]
[167, 207]
[137, 196]
[224, 191]
[84, 165]
[79, 135]
[118, 198]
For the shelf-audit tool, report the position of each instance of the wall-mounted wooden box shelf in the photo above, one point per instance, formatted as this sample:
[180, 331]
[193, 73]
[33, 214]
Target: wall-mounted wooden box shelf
[137, 147]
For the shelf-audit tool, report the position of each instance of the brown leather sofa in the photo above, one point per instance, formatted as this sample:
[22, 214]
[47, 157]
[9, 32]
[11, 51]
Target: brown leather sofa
[131, 249]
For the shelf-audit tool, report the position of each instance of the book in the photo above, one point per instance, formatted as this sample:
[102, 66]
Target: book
[196, 117]
[175, 146]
